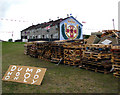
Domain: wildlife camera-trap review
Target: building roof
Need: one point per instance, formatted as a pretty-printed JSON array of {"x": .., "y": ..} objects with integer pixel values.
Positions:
[
  {"x": 51, "y": 23},
  {"x": 76, "y": 20},
  {"x": 45, "y": 24}
]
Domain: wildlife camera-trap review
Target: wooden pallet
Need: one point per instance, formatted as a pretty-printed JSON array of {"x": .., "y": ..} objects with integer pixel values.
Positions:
[
  {"x": 33, "y": 51},
  {"x": 116, "y": 71},
  {"x": 98, "y": 46},
  {"x": 73, "y": 55},
  {"x": 87, "y": 54},
  {"x": 98, "y": 66},
  {"x": 40, "y": 57},
  {"x": 43, "y": 50},
  {"x": 115, "y": 60},
  {"x": 71, "y": 63},
  {"x": 116, "y": 56},
  {"x": 116, "y": 75},
  {"x": 115, "y": 50},
  {"x": 116, "y": 65},
  {"x": 96, "y": 56},
  {"x": 25, "y": 52},
  {"x": 98, "y": 51},
  {"x": 47, "y": 54},
  {"x": 55, "y": 60},
  {"x": 27, "y": 47},
  {"x": 115, "y": 46},
  {"x": 105, "y": 71},
  {"x": 56, "y": 52}
]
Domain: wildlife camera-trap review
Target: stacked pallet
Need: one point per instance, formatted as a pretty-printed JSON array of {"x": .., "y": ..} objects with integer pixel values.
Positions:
[
  {"x": 57, "y": 51},
  {"x": 116, "y": 60},
  {"x": 73, "y": 53},
  {"x": 27, "y": 47},
  {"x": 43, "y": 50},
  {"x": 33, "y": 50},
  {"x": 97, "y": 57}
]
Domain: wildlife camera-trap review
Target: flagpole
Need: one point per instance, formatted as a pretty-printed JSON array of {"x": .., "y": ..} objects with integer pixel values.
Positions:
[
  {"x": 113, "y": 24},
  {"x": 12, "y": 35}
]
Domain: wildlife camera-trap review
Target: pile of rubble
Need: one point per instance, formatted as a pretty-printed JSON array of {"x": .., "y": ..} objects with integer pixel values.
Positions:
[{"x": 105, "y": 37}]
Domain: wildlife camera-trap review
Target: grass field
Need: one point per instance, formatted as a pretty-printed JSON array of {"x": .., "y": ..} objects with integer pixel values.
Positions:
[{"x": 58, "y": 79}]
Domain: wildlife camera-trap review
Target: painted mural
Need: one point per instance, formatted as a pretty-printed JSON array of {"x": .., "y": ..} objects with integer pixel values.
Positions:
[{"x": 70, "y": 29}]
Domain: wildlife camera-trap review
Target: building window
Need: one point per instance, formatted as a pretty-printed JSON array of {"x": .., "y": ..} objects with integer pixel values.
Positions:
[
  {"x": 47, "y": 36},
  {"x": 25, "y": 37},
  {"x": 33, "y": 37},
  {"x": 55, "y": 36},
  {"x": 51, "y": 36},
  {"x": 39, "y": 36},
  {"x": 28, "y": 37},
  {"x": 43, "y": 36},
  {"x": 56, "y": 26}
]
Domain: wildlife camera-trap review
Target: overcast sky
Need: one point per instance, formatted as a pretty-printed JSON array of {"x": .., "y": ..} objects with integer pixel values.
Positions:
[{"x": 16, "y": 15}]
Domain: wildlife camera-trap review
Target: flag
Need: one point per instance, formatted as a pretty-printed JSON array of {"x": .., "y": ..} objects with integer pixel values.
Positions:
[
  {"x": 83, "y": 22},
  {"x": 70, "y": 14},
  {"x": 48, "y": 27}
]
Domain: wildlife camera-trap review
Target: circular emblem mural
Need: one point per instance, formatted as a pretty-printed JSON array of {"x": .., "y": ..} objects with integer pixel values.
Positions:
[{"x": 71, "y": 31}]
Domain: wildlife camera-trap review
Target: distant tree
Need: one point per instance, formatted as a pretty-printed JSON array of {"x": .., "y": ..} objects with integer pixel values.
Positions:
[{"x": 10, "y": 40}]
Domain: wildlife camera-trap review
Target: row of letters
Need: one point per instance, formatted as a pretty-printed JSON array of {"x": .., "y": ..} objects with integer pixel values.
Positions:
[{"x": 27, "y": 74}]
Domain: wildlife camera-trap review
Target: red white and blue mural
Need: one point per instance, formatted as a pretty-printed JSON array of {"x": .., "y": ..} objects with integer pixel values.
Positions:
[{"x": 70, "y": 29}]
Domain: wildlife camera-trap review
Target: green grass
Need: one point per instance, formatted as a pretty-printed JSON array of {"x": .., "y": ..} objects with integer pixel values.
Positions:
[{"x": 58, "y": 79}]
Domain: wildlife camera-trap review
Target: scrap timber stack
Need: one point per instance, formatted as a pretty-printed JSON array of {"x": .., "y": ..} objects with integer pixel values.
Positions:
[
  {"x": 116, "y": 60},
  {"x": 97, "y": 57},
  {"x": 27, "y": 47},
  {"x": 43, "y": 50},
  {"x": 33, "y": 50},
  {"x": 113, "y": 36},
  {"x": 67, "y": 52},
  {"x": 57, "y": 51},
  {"x": 103, "y": 56},
  {"x": 73, "y": 53}
]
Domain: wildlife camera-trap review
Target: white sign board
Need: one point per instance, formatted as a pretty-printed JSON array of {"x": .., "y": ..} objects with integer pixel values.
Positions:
[{"x": 106, "y": 42}]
